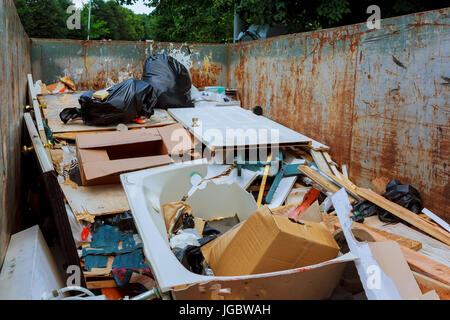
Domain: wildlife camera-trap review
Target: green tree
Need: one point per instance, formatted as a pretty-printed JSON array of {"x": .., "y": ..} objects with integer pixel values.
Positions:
[{"x": 43, "y": 18}]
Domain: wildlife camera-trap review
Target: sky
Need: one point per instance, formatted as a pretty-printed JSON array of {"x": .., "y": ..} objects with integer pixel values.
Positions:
[{"x": 139, "y": 7}]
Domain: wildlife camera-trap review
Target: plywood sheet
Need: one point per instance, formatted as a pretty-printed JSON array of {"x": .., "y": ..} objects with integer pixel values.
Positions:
[
  {"x": 88, "y": 201},
  {"x": 57, "y": 102},
  {"x": 219, "y": 128}
]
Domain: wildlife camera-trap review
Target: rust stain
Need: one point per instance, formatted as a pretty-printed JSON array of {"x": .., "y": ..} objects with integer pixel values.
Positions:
[{"x": 201, "y": 78}]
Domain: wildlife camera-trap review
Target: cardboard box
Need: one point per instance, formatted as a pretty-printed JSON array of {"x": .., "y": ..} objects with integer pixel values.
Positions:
[
  {"x": 102, "y": 157},
  {"x": 268, "y": 243}
]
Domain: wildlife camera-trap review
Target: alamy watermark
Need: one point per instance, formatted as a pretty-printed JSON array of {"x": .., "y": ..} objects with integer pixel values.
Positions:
[
  {"x": 74, "y": 20},
  {"x": 373, "y": 22}
]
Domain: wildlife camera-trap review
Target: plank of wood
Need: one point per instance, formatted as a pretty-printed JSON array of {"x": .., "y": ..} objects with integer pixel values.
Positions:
[
  {"x": 427, "y": 284},
  {"x": 326, "y": 185},
  {"x": 403, "y": 241},
  {"x": 263, "y": 183},
  {"x": 317, "y": 178},
  {"x": 331, "y": 164},
  {"x": 42, "y": 153},
  {"x": 416, "y": 261},
  {"x": 37, "y": 113},
  {"x": 405, "y": 214},
  {"x": 320, "y": 161},
  {"x": 431, "y": 247},
  {"x": 101, "y": 284}
]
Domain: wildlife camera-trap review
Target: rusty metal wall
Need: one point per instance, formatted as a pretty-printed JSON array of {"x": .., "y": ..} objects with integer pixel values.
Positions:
[
  {"x": 378, "y": 98},
  {"x": 99, "y": 64},
  {"x": 14, "y": 66}
]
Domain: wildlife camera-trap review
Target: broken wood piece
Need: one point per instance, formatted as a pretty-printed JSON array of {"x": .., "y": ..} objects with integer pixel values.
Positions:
[
  {"x": 326, "y": 185},
  {"x": 396, "y": 281},
  {"x": 102, "y": 94},
  {"x": 68, "y": 82},
  {"x": 427, "y": 284},
  {"x": 320, "y": 161},
  {"x": 416, "y": 261},
  {"x": 404, "y": 214}
]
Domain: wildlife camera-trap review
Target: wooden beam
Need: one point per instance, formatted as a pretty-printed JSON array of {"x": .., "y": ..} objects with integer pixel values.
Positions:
[{"x": 405, "y": 214}]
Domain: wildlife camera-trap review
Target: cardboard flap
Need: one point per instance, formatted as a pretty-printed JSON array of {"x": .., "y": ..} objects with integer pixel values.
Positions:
[
  {"x": 107, "y": 139},
  {"x": 176, "y": 138},
  {"x": 93, "y": 170}
]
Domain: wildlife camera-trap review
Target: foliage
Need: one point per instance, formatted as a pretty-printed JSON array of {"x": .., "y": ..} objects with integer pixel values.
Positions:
[{"x": 201, "y": 20}]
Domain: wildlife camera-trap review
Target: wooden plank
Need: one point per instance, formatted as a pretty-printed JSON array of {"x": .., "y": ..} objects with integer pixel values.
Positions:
[
  {"x": 101, "y": 284},
  {"x": 404, "y": 214},
  {"x": 264, "y": 179},
  {"x": 42, "y": 154},
  {"x": 58, "y": 101},
  {"x": 431, "y": 247},
  {"x": 317, "y": 178},
  {"x": 320, "y": 161},
  {"x": 427, "y": 284},
  {"x": 379, "y": 235},
  {"x": 403, "y": 241},
  {"x": 416, "y": 261}
]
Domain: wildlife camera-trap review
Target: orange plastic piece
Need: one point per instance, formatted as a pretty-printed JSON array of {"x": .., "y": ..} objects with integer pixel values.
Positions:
[
  {"x": 309, "y": 198},
  {"x": 140, "y": 120}
]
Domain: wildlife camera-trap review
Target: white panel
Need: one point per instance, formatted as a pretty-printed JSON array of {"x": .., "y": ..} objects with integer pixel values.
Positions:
[
  {"x": 29, "y": 269},
  {"x": 214, "y": 123}
]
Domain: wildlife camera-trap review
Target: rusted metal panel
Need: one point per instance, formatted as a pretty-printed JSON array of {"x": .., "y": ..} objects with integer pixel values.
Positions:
[
  {"x": 382, "y": 116},
  {"x": 401, "y": 116},
  {"x": 304, "y": 82},
  {"x": 99, "y": 64},
  {"x": 14, "y": 65}
]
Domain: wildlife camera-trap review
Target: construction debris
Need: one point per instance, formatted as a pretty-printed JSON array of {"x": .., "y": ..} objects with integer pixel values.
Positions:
[{"x": 178, "y": 207}]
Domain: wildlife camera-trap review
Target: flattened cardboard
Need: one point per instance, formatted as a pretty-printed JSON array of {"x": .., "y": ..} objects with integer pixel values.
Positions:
[
  {"x": 104, "y": 156},
  {"x": 268, "y": 243}
]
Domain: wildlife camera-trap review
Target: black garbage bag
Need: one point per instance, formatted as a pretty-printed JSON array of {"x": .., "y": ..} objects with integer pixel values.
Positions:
[
  {"x": 403, "y": 195},
  {"x": 126, "y": 101},
  {"x": 124, "y": 221},
  {"x": 170, "y": 80}
]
